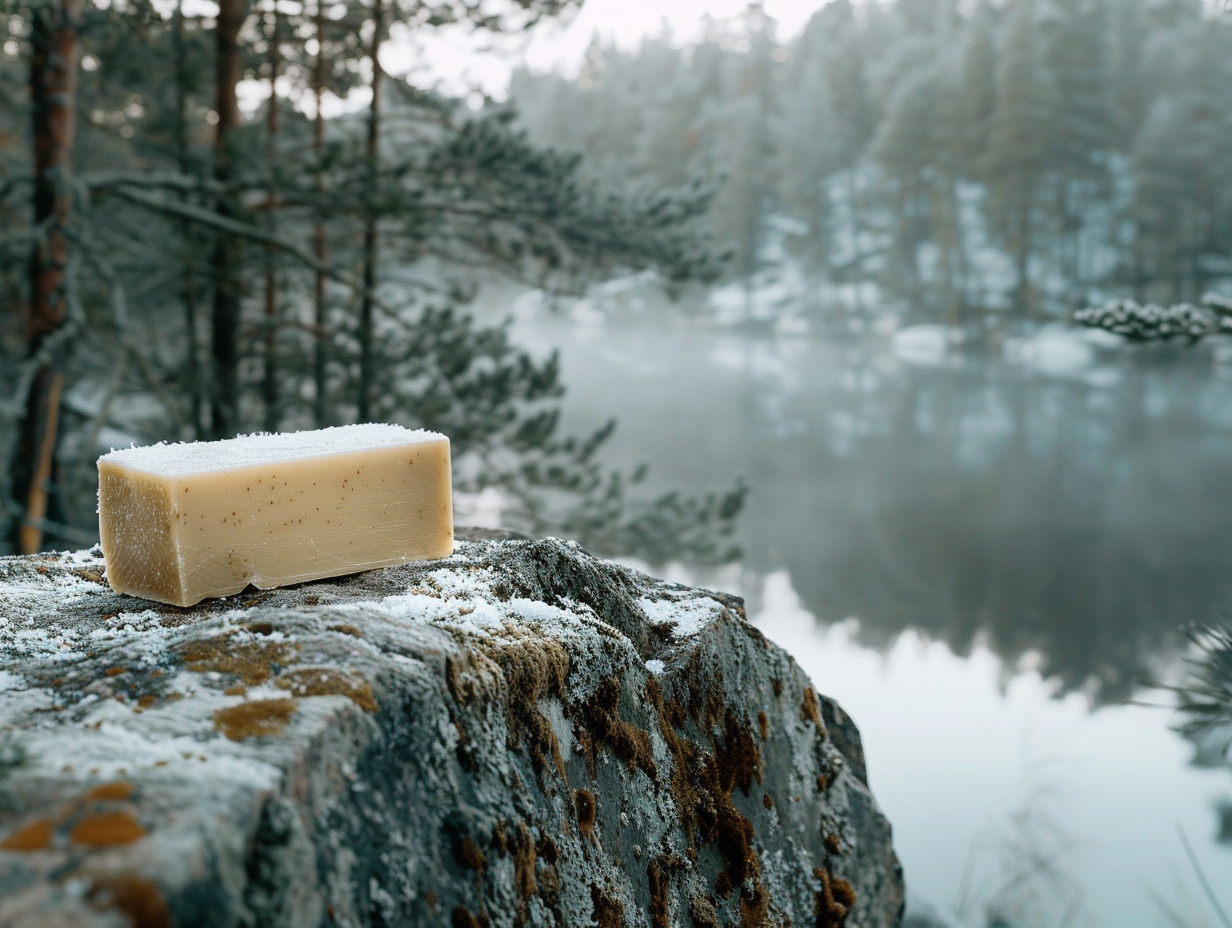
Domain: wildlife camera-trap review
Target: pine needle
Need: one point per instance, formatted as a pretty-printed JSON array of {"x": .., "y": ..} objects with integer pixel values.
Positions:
[{"x": 1206, "y": 886}]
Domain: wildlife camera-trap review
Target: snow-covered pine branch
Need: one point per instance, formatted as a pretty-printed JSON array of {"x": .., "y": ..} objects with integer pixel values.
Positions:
[{"x": 1212, "y": 316}]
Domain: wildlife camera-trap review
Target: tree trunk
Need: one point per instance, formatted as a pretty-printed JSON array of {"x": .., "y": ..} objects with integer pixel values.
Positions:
[
  {"x": 855, "y": 218},
  {"x": 188, "y": 288},
  {"x": 960, "y": 274},
  {"x": 53, "y": 91},
  {"x": 224, "y": 400},
  {"x": 320, "y": 413},
  {"x": 269, "y": 385},
  {"x": 366, "y": 361},
  {"x": 1022, "y": 262}
]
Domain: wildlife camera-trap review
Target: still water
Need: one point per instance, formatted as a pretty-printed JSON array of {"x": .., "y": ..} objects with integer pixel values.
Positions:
[{"x": 981, "y": 552}]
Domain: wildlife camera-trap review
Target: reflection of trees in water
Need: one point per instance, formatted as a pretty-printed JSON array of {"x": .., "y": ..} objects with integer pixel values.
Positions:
[{"x": 1048, "y": 515}]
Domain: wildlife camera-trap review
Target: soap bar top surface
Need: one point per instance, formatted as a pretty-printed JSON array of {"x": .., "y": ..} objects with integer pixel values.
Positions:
[
  {"x": 185, "y": 522},
  {"x": 199, "y": 457}
]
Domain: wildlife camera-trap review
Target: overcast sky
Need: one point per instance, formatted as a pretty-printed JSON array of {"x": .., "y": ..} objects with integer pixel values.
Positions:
[
  {"x": 456, "y": 62},
  {"x": 459, "y": 61}
]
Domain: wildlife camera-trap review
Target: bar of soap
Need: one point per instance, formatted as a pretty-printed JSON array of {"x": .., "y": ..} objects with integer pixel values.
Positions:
[{"x": 181, "y": 523}]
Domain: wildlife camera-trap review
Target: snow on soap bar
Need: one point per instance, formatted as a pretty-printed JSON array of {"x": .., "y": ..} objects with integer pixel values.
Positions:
[{"x": 185, "y": 522}]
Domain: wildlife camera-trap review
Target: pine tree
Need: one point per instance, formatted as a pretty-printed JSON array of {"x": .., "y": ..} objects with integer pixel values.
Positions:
[
  {"x": 54, "y": 52},
  {"x": 1084, "y": 126},
  {"x": 928, "y": 17},
  {"x": 809, "y": 150},
  {"x": 973, "y": 100},
  {"x": 965, "y": 106},
  {"x": 1183, "y": 181},
  {"x": 906, "y": 149},
  {"x": 668, "y": 139},
  {"x": 848, "y": 64},
  {"x": 742, "y": 123},
  {"x": 1182, "y": 197},
  {"x": 274, "y": 28},
  {"x": 227, "y": 283},
  {"x": 1019, "y": 145}
]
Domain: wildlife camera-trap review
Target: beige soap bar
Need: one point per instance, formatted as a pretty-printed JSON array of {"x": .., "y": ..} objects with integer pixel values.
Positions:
[{"x": 181, "y": 523}]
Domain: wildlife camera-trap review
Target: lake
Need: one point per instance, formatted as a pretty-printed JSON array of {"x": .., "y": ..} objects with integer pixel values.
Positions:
[{"x": 983, "y": 552}]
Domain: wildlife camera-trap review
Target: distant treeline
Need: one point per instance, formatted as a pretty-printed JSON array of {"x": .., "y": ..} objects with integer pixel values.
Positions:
[{"x": 1023, "y": 154}]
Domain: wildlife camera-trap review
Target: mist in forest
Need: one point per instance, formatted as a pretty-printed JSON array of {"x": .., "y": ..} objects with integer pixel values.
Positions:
[{"x": 1022, "y": 158}]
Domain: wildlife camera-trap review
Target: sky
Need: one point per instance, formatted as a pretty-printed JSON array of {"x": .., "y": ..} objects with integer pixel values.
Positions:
[{"x": 461, "y": 62}]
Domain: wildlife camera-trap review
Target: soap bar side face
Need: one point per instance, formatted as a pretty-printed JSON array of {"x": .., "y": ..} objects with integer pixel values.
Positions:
[
  {"x": 182, "y": 537},
  {"x": 304, "y": 520},
  {"x": 138, "y": 533}
]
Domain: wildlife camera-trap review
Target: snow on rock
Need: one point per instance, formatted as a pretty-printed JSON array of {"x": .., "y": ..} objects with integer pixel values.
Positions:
[
  {"x": 1055, "y": 350},
  {"x": 925, "y": 345},
  {"x": 1066, "y": 352},
  {"x": 685, "y": 616},
  {"x": 521, "y": 734}
]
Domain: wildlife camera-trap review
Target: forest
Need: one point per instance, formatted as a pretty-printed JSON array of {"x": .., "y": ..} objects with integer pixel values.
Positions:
[
  {"x": 1022, "y": 159},
  {"x": 176, "y": 267}
]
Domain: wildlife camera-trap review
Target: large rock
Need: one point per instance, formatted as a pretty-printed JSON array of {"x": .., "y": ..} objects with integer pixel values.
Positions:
[{"x": 522, "y": 734}]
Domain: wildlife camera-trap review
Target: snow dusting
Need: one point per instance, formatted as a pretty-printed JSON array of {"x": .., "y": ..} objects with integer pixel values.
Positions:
[
  {"x": 169, "y": 460},
  {"x": 686, "y": 617},
  {"x": 926, "y": 345},
  {"x": 93, "y": 688}
]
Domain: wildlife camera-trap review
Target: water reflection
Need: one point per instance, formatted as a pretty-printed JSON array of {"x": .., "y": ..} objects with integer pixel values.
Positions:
[
  {"x": 1008, "y": 802},
  {"x": 1072, "y": 505},
  {"x": 1019, "y": 529}
]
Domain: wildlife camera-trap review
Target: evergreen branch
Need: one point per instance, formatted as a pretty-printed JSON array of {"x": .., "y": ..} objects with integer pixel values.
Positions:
[
  {"x": 213, "y": 220},
  {"x": 90, "y": 444},
  {"x": 119, "y": 302},
  {"x": 1151, "y": 323},
  {"x": 151, "y": 380},
  {"x": 1206, "y": 700},
  {"x": 1205, "y": 883},
  {"x": 210, "y": 219},
  {"x": 95, "y": 181},
  {"x": 11, "y": 183}
]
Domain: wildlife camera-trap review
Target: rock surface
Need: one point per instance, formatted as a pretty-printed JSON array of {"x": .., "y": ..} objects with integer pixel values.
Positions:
[{"x": 521, "y": 734}]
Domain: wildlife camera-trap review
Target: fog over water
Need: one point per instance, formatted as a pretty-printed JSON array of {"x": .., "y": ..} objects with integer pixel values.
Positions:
[{"x": 982, "y": 551}]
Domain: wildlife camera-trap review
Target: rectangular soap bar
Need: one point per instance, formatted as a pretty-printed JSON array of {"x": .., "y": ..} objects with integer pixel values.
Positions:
[{"x": 184, "y": 522}]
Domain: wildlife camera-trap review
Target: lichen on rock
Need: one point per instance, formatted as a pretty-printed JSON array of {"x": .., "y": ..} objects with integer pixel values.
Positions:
[{"x": 522, "y": 734}]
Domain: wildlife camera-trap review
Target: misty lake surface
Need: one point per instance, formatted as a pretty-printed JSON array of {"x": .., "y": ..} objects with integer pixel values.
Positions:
[{"x": 981, "y": 552}]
